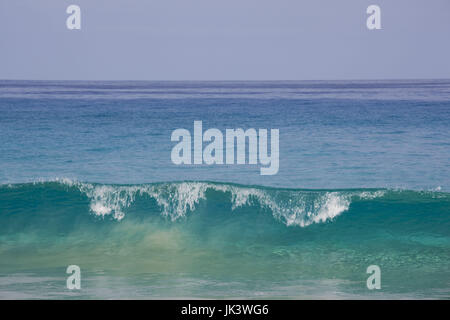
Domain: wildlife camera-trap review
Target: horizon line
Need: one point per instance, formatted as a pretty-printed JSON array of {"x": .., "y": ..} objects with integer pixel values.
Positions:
[{"x": 226, "y": 80}]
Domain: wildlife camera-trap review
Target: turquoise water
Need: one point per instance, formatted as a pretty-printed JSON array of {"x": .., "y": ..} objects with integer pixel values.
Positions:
[{"x": 86, "y": 179}]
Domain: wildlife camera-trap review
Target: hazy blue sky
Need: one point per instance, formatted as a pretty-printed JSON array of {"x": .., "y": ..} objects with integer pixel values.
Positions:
[{"x": 224, "y": 40}]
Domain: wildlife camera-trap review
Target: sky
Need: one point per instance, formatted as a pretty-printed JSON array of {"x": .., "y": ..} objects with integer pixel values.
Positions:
[{"x": 224, "y": 40}]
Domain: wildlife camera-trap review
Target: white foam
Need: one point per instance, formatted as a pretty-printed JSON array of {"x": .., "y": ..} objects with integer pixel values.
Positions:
[{"x": 293, "y": 207}]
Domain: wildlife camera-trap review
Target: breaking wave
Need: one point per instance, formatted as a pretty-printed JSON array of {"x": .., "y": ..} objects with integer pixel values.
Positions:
[
  {"x": 63, "y": 201},
  {"x": 294, "y": 207}
]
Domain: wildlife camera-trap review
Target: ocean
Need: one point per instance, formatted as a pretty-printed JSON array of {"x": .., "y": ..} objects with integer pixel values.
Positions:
[{"x": 86, "y": 179}]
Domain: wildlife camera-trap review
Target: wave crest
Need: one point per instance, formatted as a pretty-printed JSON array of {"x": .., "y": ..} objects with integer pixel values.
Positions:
[{"x": 176, "y": 199}]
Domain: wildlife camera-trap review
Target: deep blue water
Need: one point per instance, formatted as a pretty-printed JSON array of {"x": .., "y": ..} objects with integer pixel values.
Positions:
[
  {"x": 332, "y": 134},
  {"x": 86, "y": 178}
]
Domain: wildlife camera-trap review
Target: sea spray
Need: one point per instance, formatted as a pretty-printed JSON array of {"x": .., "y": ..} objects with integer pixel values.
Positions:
[{"x": 293, "y": 207}]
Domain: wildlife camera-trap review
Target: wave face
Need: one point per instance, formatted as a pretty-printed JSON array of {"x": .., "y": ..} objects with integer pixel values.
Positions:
[
  {"x": 175, "y": 200},
  {"x": 271, "y": 240}
]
